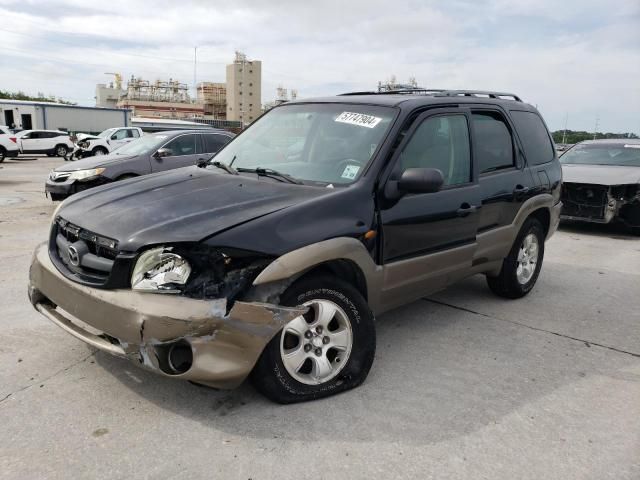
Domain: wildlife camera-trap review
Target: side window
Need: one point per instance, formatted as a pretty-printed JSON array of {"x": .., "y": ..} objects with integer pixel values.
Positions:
[
  {"x": 441, "y": 142},
  {"x": 213, "y": 143},
  {"x": 494, "y": 145},
  {"x": 133, "y": 133},
  {"x": 183, "y": 145},
  {"x": 119, "y": 135},
  {"x": 534, "y": 137}
]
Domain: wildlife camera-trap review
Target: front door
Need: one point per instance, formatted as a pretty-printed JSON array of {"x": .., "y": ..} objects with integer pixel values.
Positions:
[
  {"x": 31, "y": 142},
  {"x": 429, "y": 239},
  {"x": 183, "y": 153}
]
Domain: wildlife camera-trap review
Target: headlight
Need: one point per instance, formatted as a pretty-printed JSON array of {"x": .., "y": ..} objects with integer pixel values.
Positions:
[
  {"x": 86, "y": 174},
  {"x": 161, "y": 271}
]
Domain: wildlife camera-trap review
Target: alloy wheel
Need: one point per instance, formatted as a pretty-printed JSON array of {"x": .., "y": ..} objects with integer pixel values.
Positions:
[
  {"x": 527, "y": 258},
  {"x": 315, "y": 347}
]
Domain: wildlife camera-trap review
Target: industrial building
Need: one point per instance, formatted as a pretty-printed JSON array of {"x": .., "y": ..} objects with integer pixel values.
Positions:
[
  {"x": 244, "y": 89},
  {"x": 28, "y": 115},
  {"x": 213, "y": 98}
]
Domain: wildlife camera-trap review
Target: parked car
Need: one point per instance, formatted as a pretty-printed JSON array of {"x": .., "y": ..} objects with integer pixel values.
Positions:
[
  {"x": 105, "y": 142},
  {"x": 271, "y": 260},
  {"x": 8, "y": 144},
  {"x": 151, "y": 153},
  {"x": 51, "y": 142},
  {"x": 602, "y": 182}
]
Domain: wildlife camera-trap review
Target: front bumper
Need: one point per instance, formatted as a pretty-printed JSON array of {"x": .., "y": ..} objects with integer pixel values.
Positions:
[
  {"x": 60, "y": 189},
  {"x": 144, "y": 327}
]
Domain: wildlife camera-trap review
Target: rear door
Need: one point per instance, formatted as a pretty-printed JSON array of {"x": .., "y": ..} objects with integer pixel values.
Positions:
[
  {"x": 505, "y": 183},
  {"x": 429, "y": 239},
  {"x": 184, "y": 150},
  {"x": 212, "y": 143}
]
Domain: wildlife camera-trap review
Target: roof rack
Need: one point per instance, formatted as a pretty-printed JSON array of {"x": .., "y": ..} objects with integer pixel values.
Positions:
[{"x": 437, "y": 92}]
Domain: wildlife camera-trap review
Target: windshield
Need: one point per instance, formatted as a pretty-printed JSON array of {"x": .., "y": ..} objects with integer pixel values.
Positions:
[
  {"x": 146, "y": 144},
  {"x": 327, "y": 143},
  {"x": 603, "y": 154},
  {"x": 107, "y": 132}
]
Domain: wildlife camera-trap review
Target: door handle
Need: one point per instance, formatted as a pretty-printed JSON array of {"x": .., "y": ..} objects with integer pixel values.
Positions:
[
  {"x": 466, "y": 209},
  {"x": 520, "y": 190}
]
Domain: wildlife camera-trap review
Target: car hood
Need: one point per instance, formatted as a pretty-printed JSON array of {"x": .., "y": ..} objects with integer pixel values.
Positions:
[
  {"x": 85, "y": 136},
  {"x": 94, "y": 162},
  {"x": 600, "y": 174},
  {"x": 183, "y": 205}
]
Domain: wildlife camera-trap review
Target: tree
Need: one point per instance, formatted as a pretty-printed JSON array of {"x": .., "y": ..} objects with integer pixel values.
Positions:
[
  {"x": 578, "y": 136},
  {"x": 40, "y": 97}
]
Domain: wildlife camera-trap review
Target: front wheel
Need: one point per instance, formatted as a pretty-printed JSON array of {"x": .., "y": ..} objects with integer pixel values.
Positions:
[
  {"x": 520, "y": 269},
  {"x": 328, "y": 350},
  {"x": 99, "y": 151},
  {"x": 3, "y": 155},
  {"x": 61, "y": 151}
]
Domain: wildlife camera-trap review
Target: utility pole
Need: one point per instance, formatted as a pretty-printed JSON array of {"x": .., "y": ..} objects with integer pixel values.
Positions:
[
  {"x": 564, "y": 134},
  {"x": 195, "y": 70},
  {"x": 595, "y": 130}
]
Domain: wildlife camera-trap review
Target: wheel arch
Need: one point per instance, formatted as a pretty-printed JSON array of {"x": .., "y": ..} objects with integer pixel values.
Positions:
[
  {"x": 543, "y": 215},
  {"x": 344, "y": 257}
]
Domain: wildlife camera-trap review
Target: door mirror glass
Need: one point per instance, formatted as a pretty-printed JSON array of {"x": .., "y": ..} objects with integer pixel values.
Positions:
[
  {"x": 421, "y": 180},
  {"x": 164, "y": 152}
]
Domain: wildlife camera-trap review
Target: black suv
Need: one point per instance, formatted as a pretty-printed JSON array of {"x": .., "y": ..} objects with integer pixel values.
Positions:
[{"x": 272, "y": 259}]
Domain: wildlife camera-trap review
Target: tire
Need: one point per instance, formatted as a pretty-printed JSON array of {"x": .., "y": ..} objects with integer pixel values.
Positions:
[
  {"x": 61, "y": 151},
  {"x": 99, "y": 151},
  {"x": 351, "y": 328},
  {"x": 3, "y": 154},
  {"x": 513, "y": 282}
]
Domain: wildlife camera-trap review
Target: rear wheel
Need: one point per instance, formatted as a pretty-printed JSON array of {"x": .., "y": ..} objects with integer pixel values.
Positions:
[
  {"x": 328, "y": 350},
  {"x": 3, "y": 154},
  {"x": 522, "y": 266}
]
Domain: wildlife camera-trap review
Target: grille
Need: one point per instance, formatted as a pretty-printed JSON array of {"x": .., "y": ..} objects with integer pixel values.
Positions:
[
  {"x": 586, "y": 201},
  {"x": 81, "y": 253}
]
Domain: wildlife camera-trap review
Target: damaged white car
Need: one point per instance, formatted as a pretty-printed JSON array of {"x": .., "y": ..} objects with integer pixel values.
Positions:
[{"x": 601, "y": 182}]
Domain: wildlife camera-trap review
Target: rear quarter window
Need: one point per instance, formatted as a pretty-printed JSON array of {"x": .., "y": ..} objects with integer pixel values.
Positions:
[{"x": 534, "y": 136}]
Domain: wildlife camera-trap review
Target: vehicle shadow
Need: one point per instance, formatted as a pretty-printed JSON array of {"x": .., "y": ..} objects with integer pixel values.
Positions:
[
  {"x": 439, "y": 373},
  {"x": 615, "y": 230}
]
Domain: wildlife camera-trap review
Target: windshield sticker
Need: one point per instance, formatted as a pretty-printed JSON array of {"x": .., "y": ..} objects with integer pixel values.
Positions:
[
  {"x": 350, "y": 172},
  {"x": 359, "y": 119},
  {"x": 632, "y": 146}
]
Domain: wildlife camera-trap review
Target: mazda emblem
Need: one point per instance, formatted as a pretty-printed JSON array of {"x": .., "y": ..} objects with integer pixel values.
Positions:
[{"x": 74, "y": 256}]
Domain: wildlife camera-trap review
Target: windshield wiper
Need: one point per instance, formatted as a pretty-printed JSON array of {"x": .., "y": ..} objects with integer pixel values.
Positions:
[
  {"x": 221, "y": 165},
  {"x": 269, "y": 172}
]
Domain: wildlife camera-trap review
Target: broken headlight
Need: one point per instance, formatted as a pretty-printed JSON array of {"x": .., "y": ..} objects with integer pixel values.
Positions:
[
  {"x": 160, "y": 270},
  {"x": 86, "y": 174}
]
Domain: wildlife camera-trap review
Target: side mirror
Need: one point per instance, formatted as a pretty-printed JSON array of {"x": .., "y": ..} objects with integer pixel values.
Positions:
[
  {"x": 163, "y": 152},
  {"x": 420, "y": 180}
]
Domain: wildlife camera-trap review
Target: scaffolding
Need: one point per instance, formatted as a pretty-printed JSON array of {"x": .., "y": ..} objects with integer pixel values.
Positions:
[
  {"x": 158, "y": 91},
  {"x": 213, "y": 96}
]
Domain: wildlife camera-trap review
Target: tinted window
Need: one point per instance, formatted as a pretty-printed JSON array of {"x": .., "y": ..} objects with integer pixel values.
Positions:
[
  {"x": 213, "y": 143},
  {"x": 534, "y": 137},
  {"x": 183, "y": 145},
  {"x": 441, "y": 142},
  {"x": 494, "y": 145}
]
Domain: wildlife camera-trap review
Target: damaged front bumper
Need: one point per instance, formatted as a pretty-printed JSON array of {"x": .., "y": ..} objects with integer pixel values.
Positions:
[{"x": 174, "y": 336}]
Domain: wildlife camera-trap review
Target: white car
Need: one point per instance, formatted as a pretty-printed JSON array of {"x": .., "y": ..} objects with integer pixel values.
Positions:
[
  {"x": 8, "y": 144},
  {"x": 105, "y": 142},
  {"x": 51, "y": 142}
]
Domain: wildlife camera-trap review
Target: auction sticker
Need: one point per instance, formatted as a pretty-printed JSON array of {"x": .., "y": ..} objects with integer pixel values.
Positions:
[
  {"x": 350, "y": 172},
  {"x": 359, "y": 119}
]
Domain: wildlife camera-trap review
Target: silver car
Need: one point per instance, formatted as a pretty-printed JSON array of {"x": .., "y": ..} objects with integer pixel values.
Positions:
[
  {"x": 149, "y": 154},
  {"x": 601, "y": 182}
]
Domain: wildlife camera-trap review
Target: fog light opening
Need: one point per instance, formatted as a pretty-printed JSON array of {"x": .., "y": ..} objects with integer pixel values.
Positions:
[{"x": 180, "y": 357}]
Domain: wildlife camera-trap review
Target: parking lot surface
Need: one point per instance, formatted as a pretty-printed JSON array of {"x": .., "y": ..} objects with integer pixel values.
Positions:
[{"x": 464, "y": 385}]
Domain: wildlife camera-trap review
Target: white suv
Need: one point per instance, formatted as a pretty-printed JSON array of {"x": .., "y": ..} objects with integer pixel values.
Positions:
[
  {"x": 8, "y": 144},
  {"x": 51, "y": 142},
  {"x": 105, "y": 142}
]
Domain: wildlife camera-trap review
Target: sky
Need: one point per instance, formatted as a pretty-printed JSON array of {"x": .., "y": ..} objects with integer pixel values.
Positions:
[{"x": 578, "y": 61}]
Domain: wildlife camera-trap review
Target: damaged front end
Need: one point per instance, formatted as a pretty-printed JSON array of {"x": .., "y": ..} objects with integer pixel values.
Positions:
[
  {"x": 601, "y": 203},
  {"x": 197, "y": 326}
]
